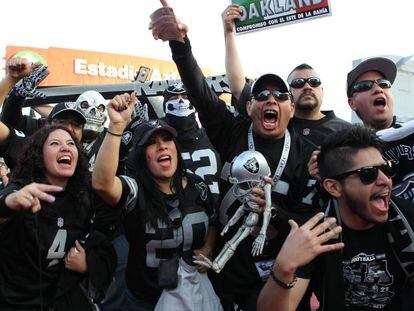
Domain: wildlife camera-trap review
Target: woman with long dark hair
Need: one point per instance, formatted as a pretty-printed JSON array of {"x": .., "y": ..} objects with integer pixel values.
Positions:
[
  {"x": 169, "y": 214},
  {"x": 46, "y": 211}
]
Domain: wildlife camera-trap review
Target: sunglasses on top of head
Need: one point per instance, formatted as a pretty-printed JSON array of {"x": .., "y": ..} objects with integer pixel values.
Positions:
[
  {"x": 300, "y": 82},
  {"x": 165, "y": 138},
  {"x": 265, "y": 94},
  {"x": 366, "y": 85},
  {"x": 369, "y": 174}
]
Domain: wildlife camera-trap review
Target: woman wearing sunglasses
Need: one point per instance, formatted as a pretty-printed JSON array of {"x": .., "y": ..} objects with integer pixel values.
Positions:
[
  {"x": 46, "y": 212},
  {"x": 168, "y": 214}
]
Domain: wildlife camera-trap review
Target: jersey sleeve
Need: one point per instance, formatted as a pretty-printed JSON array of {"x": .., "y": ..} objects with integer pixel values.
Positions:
[{"x": 129, "y": 193}]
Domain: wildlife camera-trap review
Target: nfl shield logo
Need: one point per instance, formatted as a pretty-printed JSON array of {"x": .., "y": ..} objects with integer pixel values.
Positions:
[{"x": 60, "y": 222}]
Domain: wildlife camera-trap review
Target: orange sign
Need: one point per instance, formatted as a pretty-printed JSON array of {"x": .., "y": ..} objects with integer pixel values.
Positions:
[{"x": 77, "y": 67}]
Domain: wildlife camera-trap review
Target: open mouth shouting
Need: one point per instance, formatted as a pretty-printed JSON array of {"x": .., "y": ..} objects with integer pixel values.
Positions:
[
  {"x": 380, "y": 103},
  {"x": 270, "y": 118},
  {"x": 65, "y": 160},
  {"x": 164, "y": 161},
  {"x": 380, "y": 201}
]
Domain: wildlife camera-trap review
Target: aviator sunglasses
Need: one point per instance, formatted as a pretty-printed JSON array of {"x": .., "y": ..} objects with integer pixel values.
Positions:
[
  {"x": 265, "y": 94},
  {"x": 369, "y": 174},
  {"x": 300, "y": 82},
  {"x": 366, "y": 85}
]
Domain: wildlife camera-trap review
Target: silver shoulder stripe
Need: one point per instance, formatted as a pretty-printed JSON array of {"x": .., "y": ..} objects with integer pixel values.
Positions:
[{"x": 133, "y": 193}]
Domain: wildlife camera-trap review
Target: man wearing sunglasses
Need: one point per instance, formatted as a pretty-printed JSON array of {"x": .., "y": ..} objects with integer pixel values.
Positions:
[
  {"x": 369, "y": 95},
  {"x": 369, "y": 92},
  {"x": 309, "y": 120},
  {"x": 374, "y": 269},
  {"x": 270, "y": 109}
]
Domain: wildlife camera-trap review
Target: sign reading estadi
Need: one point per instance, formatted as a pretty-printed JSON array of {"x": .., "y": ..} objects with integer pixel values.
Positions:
[
  {"x": 78, "y": 67},
  {"x": 261, "y": 14}
]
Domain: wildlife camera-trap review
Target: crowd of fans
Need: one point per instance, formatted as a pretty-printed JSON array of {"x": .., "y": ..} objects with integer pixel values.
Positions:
[{"x": 259, "y": 207}]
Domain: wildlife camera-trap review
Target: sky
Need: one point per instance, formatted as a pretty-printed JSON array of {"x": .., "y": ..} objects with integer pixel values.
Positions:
[{"x": 356, "y": 29}]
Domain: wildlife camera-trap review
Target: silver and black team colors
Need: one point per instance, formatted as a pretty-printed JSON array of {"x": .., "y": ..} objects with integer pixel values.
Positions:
[
  {"x": 399, "y": 147},
  {"x": 200, "y": 158},
  {"x": 33, "y": 248},
  {"x": 229, "y": 136},
  {"x": 185, "y": 231}
]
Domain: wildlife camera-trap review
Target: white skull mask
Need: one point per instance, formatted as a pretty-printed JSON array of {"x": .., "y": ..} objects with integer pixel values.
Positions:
[
  {"x": 93, "y": 106},
  {"x": 179, "y": 107}
]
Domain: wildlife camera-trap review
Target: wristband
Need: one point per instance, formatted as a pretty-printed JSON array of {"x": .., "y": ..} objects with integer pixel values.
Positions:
[
  {"x": 281, "y": 283},
  {"x": 114, "y": 134}
]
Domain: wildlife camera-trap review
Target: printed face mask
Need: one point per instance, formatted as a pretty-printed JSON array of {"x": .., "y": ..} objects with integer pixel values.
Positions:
[{"x": 179, "y": 107}]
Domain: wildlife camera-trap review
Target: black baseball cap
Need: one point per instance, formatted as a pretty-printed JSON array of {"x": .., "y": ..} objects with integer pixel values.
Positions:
[
  {"x": 175, "y": 89},
  {"x": 145, "y": 130},
  {"x": 269, "y": 79},
  {"x": 67, "y": 108},
  {"x": 383, "y": 65}
]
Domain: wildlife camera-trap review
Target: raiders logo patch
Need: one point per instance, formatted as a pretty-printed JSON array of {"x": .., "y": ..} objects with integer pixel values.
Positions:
[
  {"x": 70, "y": 105},
  {"x": 126, "y": 137},
  {"x": 202, "y": 189},
  {"x": 252, "y": 165},
  {"x": 154, "y": 123},
  {"x": 306, "y": 132}
]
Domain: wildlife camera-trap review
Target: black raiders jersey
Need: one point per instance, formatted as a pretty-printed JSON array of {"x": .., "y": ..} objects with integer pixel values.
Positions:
[
  {"x": 294, "y": 192},
  {"x": 313, "y": 132},
  {"x": 399, "y": 147},
  {"x": 200, "y": 158},
  {"x": 149, "y": 245},
  {"x": 26, "y": 238}
]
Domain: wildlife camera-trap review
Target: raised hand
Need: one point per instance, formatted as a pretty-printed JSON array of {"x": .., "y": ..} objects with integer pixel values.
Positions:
[
  {"x": 140, "y": 112},
  {"x": 26, "y": 87},
  {"x": 29, "y": 197},
  {"x": 120, "y": 109},
  {"x": 305, "y": 243},
  {"x": 228, "y": 16},
  {"x": 17, "y": 68},
  {"x": 165, "y": 25}
]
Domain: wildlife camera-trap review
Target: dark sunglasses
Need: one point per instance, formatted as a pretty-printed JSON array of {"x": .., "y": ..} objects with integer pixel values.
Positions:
[
  {"x": 265, "y": 94},
  {"x": 369, "y": 174},
  {"x": 300, "y": 82},
  {"x": 366, "y": 85}
]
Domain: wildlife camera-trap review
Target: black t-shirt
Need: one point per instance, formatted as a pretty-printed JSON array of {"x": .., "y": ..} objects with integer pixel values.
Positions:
[
  {"x": 371, "y": 273},
  {"x": 149, "y": 245},
  {"x": 313, "y": 132},
  {"x": 372, "y": 276}
]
